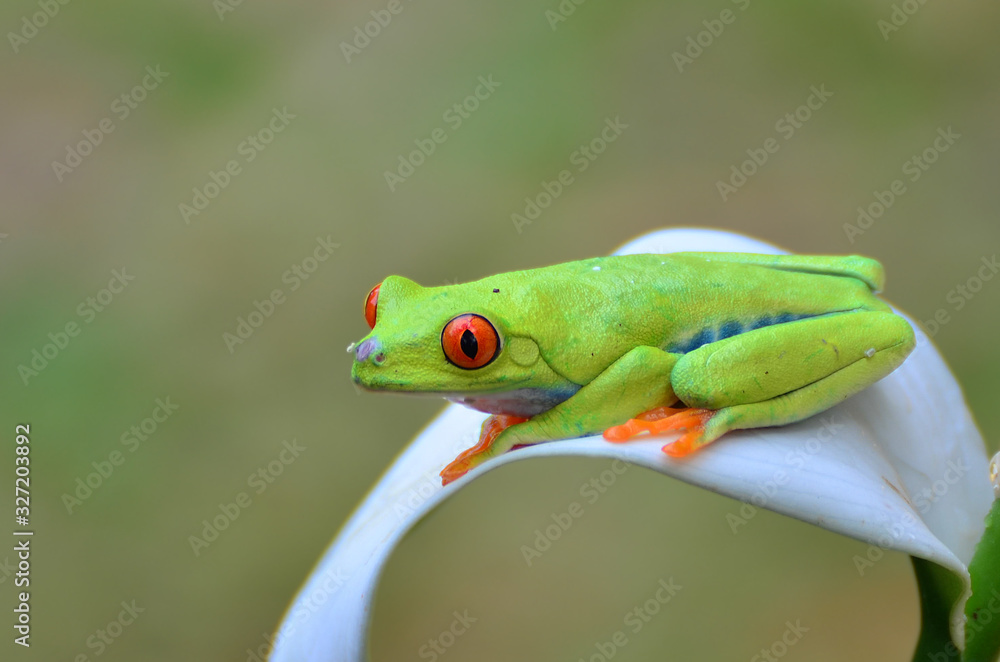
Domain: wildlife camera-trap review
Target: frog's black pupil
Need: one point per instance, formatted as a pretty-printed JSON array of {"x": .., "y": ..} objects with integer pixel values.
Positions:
[{"x": 469, "y": 344}]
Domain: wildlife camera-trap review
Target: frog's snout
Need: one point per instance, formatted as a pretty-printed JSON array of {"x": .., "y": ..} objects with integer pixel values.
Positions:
[
  {"x": 370, "y": 348},
  {"x": 369, "y": 356}
]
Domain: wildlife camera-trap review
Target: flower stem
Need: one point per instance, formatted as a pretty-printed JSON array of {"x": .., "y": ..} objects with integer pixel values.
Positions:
[{"x": 982, "y": 611}]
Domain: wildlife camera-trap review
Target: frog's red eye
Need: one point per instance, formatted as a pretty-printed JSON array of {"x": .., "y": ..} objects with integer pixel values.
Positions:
[
  {"x": 470, "y": 341},
  {"x": 371, "y": 306}
]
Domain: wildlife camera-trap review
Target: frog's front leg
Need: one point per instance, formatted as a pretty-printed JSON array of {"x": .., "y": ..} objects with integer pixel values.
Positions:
[
  {"x": 778, "y": 375},
  {"x": 636, "y": 382}
]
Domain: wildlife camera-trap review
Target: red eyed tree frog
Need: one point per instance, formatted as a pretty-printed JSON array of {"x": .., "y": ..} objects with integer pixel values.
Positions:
[{"x": 700, "y": 342}]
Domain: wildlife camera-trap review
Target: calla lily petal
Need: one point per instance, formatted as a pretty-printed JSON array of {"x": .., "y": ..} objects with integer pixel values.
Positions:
[{"x": 863, "y": 469}]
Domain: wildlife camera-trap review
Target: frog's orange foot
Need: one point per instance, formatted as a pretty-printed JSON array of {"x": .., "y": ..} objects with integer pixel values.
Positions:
[
  {"x": 472, "y": 457},
  {"x": 664, "y": 419}
]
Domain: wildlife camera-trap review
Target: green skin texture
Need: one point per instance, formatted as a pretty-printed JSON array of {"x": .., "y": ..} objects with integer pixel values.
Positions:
[{"x": 601, "y": 340}]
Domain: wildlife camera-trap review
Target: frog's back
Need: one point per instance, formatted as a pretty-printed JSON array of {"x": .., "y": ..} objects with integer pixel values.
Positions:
[
  {"x": 707, "y": 286},
  {"x": 865, "y": 269},
  {"x": 587, "y": 313}
]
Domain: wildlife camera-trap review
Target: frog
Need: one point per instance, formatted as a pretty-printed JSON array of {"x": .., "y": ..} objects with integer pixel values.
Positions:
[{"x": 695, "y": 344}]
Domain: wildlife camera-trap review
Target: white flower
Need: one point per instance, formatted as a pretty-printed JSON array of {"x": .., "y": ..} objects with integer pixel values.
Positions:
[{"x": 862, "y": 469}]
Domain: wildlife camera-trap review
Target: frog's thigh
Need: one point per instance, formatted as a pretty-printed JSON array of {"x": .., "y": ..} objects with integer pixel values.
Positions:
[
  {"x": 636, "y": 382},
  {"x": 787, "y": 372}
]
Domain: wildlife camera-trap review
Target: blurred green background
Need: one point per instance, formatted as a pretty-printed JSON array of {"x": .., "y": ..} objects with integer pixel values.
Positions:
[{"x": 224, "y": 74}]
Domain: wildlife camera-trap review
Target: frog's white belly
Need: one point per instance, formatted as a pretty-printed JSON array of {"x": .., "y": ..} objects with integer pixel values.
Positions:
[{"x": 523, "y": 402}]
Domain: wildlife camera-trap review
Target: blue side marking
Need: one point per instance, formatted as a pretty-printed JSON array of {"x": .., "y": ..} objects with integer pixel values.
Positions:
[
  {"x": 729, "y": 329},
  {"x": 703, "y": 337}
]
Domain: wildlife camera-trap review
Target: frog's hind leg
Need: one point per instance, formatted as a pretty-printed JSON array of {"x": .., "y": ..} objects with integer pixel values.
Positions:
[{"x": 782, "y": 374}]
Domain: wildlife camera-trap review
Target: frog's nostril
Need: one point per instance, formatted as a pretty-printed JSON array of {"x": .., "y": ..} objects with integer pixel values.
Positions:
[{"x": 365, "y": 349}]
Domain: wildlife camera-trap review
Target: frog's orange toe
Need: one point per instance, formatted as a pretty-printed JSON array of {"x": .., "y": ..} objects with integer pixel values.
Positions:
[
  {"x": 471, "y": 457},
  {"x": 665, "y": 419},
  {"x": 455, "y": 470},
  {"x": 466, "y": 460},
  {"x": 644, "y": 422},
  {"x": 683, "y": 446},
  {"x": 621, "y": 433}
]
